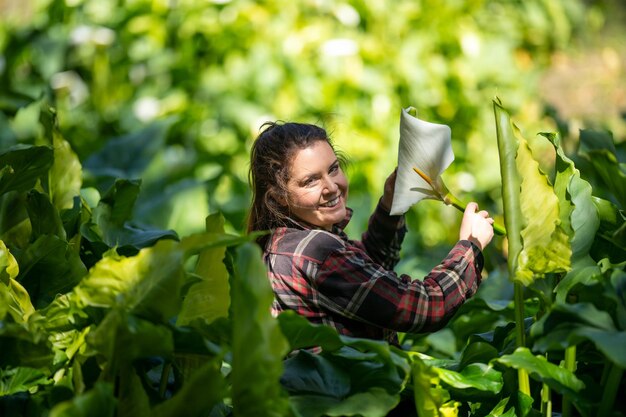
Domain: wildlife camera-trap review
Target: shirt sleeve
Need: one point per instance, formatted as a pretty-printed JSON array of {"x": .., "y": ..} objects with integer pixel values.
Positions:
[
  {"x": 353, "y": 285},
  {"x": 383, "y": 238}
]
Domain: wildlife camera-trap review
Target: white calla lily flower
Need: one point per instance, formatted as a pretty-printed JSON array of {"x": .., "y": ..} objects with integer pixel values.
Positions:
[
  {"x": 424, "y": 153},
  {"x": 426, "y": 149}
]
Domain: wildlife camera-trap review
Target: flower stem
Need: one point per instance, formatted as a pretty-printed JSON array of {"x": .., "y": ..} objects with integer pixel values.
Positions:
[{"x": 451, "y": 200}]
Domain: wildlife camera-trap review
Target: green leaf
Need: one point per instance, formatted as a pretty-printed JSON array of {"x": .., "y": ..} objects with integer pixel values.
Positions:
[
  {"x": 508, "y": 144},
  {"x": 97, "y": 402},
  {"x": 65, "y": 177},
  {"x": 22, "y": 165},
  {"x": 110, "y": 221},
  {"x": 301, "y": 333},
  {"x": 121, "y": 338},
  {"x": 569, "y": 324},
  {"x": 199, "y": 393},
  {"x": 431, "y": 400},
  {"x": 344, "y": 382},
  {"x": 546, "y": 245},
  {"x": 44, "y": 217},
  {"x": 49, "y": 266},
  {"x": 24, "y": 347},
  {"x": 598, "y": 148},
  {"x": 579, "y": 216},
  {"x": 15, "y": 297},
  {"x": 258, "y": 346},
  {"x": 21, "y": 379},
  {"x": 147, "y": 284},
  {"x": 209, "y": 298},
  {"x": 128, "y": 156},
  {"x": 475, "y": 381},
  {"x": 557, "y": 378}
]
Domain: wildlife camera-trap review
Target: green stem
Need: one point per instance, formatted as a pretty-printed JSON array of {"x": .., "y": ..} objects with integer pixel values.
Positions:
[
  {"x": 451, "y": 200},
  {"x": 546, "y": 403},
  {"x": 610, "y": 390},
  {"x": 518, "y": 294},
  {"x": 570, "y": 365}
]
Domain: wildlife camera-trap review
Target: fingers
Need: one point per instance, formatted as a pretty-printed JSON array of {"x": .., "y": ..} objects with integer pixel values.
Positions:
[{"x": 471, "y": 207}]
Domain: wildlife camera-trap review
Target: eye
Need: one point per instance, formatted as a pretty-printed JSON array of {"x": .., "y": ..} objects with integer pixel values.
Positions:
[
  {"x": 309, "y": 182},
  {"x": 334, "y": 168}
]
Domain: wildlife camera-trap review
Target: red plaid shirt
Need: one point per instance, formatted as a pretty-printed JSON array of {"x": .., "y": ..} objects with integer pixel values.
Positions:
[{"x": 350, "y": 285}]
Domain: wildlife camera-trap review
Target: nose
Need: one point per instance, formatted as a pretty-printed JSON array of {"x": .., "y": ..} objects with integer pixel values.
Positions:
[{"x": 330, "y": 186}]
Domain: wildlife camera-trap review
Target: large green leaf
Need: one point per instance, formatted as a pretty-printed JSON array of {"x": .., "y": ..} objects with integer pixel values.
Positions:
[
  {"x": 22, "y": 165},
  {"x": 258, "y": 346},
  {"x": 546, "y": 245},
  {"x": 301, "y": 333},
  {"x": 148, "y": 284},
  {"x": 569, "y": 324},
  {"x": 475, "y": 379},
  {"x": 346, "y": 382},
  {"x": 557, "y": 378},
  {"x": 209, "y": 298}
]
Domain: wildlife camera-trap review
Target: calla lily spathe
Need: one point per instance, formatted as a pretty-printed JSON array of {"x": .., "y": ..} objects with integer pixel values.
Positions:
[{"x": 425, "y": 148}]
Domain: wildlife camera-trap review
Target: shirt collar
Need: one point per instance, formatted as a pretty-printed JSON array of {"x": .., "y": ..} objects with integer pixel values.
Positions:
[{"x": 337, "y": 227}]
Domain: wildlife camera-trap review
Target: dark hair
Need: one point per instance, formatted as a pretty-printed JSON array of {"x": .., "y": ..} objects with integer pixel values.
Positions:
[{"x": 270, "y": 159}]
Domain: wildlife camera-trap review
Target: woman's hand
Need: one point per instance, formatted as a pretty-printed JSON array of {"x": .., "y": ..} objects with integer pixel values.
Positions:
[
  {"x": 390, "y": 186},
  {"x": 476, "y": 226}
]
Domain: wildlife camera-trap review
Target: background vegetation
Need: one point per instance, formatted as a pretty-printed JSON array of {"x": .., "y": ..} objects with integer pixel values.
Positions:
[{"x": 151, "y": 108}]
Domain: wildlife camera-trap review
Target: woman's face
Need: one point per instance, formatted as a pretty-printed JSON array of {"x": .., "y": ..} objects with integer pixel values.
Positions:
[{"x": 317, "y": 188}]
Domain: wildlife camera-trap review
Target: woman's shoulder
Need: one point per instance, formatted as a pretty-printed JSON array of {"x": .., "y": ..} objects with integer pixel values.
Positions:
[{"x": 310, "y": 243}]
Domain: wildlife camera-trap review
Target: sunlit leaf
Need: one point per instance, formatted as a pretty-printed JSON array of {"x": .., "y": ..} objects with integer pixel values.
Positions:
[
  {"x": 17, "y": 301},
  {"x": 148, "y": 283},
  {"x": 209, "y": 298},
  {"x": 431, "y": 400},
  {"x": 557, "y": 378},
  {"x": 21, "y": 379},
  {"x": 546, "y": 246},
  {"x": 473, "y": 378}
]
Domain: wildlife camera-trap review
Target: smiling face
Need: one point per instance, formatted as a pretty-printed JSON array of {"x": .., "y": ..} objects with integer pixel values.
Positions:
[{"x": 317, "y": 188}]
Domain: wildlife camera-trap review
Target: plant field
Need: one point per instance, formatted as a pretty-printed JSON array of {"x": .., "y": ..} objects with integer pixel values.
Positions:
[{"x": 127, "y": 287}]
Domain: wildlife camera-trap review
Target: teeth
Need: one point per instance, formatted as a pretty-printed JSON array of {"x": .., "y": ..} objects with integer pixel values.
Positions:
[{"x": 331, "y": 203}]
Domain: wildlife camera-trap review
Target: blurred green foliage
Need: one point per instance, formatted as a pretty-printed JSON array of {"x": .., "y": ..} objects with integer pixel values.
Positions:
[{"x": 182, "y": 86}]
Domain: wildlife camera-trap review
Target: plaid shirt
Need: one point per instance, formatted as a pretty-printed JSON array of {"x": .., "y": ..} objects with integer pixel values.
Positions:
[{"x": 350, "y": 285}]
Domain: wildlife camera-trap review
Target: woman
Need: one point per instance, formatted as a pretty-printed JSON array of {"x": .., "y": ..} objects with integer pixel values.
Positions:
[{"x": 299, "y": 194}]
